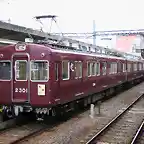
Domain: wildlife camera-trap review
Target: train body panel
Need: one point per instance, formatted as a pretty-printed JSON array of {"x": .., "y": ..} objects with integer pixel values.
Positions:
[{"x": 38, "y": 76}]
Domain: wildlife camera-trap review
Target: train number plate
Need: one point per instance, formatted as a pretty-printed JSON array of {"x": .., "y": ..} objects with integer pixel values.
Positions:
[{"x": 20, "y": 90}]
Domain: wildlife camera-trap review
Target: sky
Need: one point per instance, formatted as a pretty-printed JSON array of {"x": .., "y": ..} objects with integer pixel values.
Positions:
[{"x": 75, "y": 15}]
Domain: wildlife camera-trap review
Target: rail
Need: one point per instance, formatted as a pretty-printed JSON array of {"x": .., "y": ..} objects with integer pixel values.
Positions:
[
  {"x": 35, "y": 133},
  {"x": 112, "y": 121},
  {"x": 45, "y": 127},
  {"x": 137, "y": 133}
]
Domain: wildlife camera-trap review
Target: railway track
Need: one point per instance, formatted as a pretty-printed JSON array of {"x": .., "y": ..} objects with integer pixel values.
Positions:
[
  {"x": 139, "y": 136},
  {"x": 19, "y": 133},
  {"x": 115, "y": 130}
]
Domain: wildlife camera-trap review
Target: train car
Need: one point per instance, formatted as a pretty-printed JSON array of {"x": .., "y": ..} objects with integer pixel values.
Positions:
[
  {"x": 134, "y": 70},
  {"x": 48, "y": 81}
]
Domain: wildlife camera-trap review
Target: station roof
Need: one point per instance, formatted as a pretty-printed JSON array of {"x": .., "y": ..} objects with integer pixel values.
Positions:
[{"x": 19, "y": 33}]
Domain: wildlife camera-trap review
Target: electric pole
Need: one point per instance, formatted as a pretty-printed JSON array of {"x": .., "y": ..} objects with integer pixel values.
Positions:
[{"x": 94, "y": 33}]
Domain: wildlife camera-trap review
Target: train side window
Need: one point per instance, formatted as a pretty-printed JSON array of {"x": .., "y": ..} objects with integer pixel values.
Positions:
[
  {"x": 21, "y": 70},
  {"x": 119, "y": 69},
  {"x": 78, "y": 66},
  {"x": 124, "y": 67},
  {"x": 5, "y": 70},
  {"x": 56, "y": 71},
  {"x": 111, "y": 68},
  {"x": 115, "y": 68},
  {"x": 65, "y": 70},
  {"x": 89, "y": 69},
  {"x": 132, "y": 67},
  {"x": 97, "y": 68},
  {"x": 129, "y": 68},
  {"x": 135, "y": 67},
  {"x": 39, "y": 71},
  {"x": 143, "y": 66},
  {"x": 140, "y": 66},
  {"x": 104, "y": 67},
  {"x": 93, "y": 68}
]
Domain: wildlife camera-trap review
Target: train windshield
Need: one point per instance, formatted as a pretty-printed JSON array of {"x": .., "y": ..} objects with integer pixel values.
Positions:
[
  {"x": 39, "y": 71},
  {"x": 5, "y": 70}
]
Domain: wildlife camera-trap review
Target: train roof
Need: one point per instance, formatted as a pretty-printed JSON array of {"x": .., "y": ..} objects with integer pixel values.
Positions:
[
  {"x": 93, "y": 54},
  {"x": 71, "y": 50},
  {"x": 95, "y": 50},
  {"x": 86, "y": 54}
]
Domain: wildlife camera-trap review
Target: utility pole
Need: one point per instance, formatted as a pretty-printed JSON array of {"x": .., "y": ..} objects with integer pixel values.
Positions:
[{"x": 94, "y": 33}]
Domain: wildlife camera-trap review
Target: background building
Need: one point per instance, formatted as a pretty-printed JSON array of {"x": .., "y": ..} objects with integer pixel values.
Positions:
[{"x": 124, "y": 43}]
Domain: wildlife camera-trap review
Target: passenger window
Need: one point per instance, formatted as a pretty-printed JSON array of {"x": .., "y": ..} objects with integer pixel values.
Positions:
[
  {"x": 5, "y": 70},
  {"x": 104, "y": 66},
  {"x": 65, "y": 70},
  {"x": 129, "y": 67},
  {"x": 93, "y": 66},
  {"x": 135, "y": 67},
  {"x": 88, "y": 68},
  {"x": 39, "y": 71},
  {"x": 20, "y": 70},
  {"x": 113, "y": 68},
  {"x": 132, "y": 67},
  {"x": 78, "y": 68},
  {"x": 97, "y": 68},
  {"x": 140, "y": 66},
  {"x": 119, "y": 67},
  {"x": 124, "y": 67},
  {"x": 56, "y": 71}
]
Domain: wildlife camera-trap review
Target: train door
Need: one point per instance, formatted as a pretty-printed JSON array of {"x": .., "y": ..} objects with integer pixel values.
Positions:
[
  {"x": 125, "y": 69},
  {"x": 56, "y": 82},
  {"x": 20, "y": 73}
]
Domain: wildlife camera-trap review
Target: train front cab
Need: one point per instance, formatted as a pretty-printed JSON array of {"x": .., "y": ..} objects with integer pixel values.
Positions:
[
  {"x": 30, "y": 84},
  {"x": 28, "y": 87}
]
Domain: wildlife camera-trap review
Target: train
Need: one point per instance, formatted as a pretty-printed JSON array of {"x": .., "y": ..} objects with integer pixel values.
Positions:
[{"x": 49, "y": 79}]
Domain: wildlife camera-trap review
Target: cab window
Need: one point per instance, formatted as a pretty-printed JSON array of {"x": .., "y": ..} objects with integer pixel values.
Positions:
[
  {"x": 39, "y": 71},
  {"x": 5, "y": 70}
]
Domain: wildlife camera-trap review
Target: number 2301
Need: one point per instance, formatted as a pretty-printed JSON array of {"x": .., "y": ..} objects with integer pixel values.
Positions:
[{"x": 20, "y": 90}]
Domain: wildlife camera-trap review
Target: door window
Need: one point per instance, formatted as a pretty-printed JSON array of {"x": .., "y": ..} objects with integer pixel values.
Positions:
[{"x": 21, "y": 70}]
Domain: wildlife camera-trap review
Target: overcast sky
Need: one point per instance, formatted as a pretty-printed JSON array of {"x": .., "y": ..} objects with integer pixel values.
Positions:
[{"x": 76, "y": 15}]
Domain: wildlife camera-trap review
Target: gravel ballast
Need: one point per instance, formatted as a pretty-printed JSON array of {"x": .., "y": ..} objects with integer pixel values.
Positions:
[{"x": 76, "y": 130}]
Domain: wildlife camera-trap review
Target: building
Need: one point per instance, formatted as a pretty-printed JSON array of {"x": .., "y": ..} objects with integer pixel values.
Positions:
[{"x": 125, "y": 43}]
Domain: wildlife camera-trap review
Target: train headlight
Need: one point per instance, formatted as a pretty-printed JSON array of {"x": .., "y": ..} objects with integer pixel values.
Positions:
[{"x": 1, "y": 55}]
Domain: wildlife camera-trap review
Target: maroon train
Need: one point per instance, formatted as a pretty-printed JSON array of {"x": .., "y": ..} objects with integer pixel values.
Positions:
[{"x": 45, "y": 80}]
